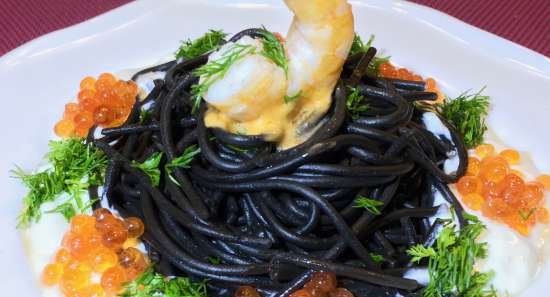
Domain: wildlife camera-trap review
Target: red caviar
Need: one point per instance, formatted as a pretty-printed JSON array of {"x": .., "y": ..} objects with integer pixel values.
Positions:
[
  {"x": 105, "y": 102},
  {"x": 52, "y": 274},
  {"x": 92, "y": 249},
  {"x": 246, "y": 291},
  {"x": 321, "y": 284},
  {"x": 113, "y": 279},
  {"x": 388, "y": 70},
  {"x": 500, "y": 192},
  {"x": 544, "y": 180}
]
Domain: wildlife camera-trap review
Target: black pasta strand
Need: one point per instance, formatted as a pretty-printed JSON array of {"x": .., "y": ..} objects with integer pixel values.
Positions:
[{"x": 273, "y": 217}]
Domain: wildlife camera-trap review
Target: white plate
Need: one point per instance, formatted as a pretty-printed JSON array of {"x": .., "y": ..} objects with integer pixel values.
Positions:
[{"x": 41, "y": 76}]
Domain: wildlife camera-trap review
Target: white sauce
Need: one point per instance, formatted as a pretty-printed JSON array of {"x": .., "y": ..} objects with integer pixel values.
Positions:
[
  {"x": 518, "y": 258},
  {"x": 512, "y": 257},
  {"x": 515, "y": 259},
  {"x": 42, "y": 240},
  {"x": 434, "y": 124},
  {"x": 146, "y": 83}
]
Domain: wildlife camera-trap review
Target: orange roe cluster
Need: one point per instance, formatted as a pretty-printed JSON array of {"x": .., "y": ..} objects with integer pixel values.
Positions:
[
  {"x": 501, "y": 193},
  {"x": 102, "y": 247},
  {"x": 388, "y": 70},
  {"x": 321, "y": 284},
  {"x": 105, "y": 102}
]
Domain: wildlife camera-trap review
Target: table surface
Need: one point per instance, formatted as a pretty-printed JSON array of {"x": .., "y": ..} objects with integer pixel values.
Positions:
[{"x": 526, "y": 22}]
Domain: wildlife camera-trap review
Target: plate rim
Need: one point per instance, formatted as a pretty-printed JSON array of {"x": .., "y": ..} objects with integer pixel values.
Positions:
[
  {"x": 485, "y": 41},
  {"x": 433, "y": 17}
]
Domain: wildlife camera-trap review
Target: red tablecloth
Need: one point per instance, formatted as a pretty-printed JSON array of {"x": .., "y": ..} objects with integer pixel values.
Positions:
[{"x": 526, "y": 22}]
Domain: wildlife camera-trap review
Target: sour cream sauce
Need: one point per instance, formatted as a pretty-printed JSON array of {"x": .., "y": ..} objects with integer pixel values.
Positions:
[{"x": 515, "y": 260}]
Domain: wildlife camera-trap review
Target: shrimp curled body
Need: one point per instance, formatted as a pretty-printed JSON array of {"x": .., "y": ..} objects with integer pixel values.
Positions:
[{"x": 250, "y": 97}]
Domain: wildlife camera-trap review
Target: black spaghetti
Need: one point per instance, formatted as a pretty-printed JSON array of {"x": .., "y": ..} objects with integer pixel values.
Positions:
[{"x": 273, "y": 217}]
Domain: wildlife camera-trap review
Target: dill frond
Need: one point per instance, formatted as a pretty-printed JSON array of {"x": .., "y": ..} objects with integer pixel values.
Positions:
[
  {"x": 74, "y": 166},
  {"x": 216, "y": 69},
  {"x": 373, "y": 206},
  {"x": 467, "y": 114},
  {"x": 208, "y": 42}
]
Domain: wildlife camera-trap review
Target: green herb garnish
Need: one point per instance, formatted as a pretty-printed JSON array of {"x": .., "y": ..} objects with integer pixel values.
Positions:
[
  {"x": 467, "y": 114},
  {"x": 144, "y": 116},
  {"x": 151, "y": 167},
  {"x": 359, "y": 47},
  {"x": 419, "y": 252},
  {"x": 208, "y": 42},
  {"x": 526, "y": 214},
  {"x": 152, "y": 284},
  {"x": 215, "y": 260},
  {"x": 451, "y": 262},
  {"x": 355, "y": 103},
  {"x": 377, "y": 258},
  {"x": 237, "y": 148},
  {"x": 274, "y": 50},
  {"x": 289, "y": 99},
  {"x": 66, "y": 209},
  {"x": 373, "y": 206},
  {"x": 374, "y": 66},
  {"x": 183, "y": 161},
  {"x": 216, "y": 70},
  {"x": 74, "y": 166}
]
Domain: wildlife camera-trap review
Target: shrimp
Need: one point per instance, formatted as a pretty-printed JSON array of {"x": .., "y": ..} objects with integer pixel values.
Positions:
[{"x": 256, "y": 97}]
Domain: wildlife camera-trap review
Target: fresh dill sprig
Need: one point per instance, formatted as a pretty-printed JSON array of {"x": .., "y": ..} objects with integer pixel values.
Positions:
[
  {"x": 374, "y": 66},
  {"x": 355, "y": 103},
  {"x": 373, "y": 206},
  {"x": 183, "y": 161},
  {"x": 451, "y": 262},
  {"x": 216, "y": 69},
  {"x": 66, "y": 209},
  {"x": 467, "y": 114},
  {"x": 274, "y": 50},
  {"x": 74, "y": 166},
  {"x": 237, "y": 148},
  {"x": 359, "y": 47},
  {"x": 144, "y": 116},
  {"x": 292, "y": 98},
  {"x": 377, "y": 258},
  {"x": 419, "y": 252},
  {"x": 151, "y": 167},
  {"x": 215, "y": 260},
  {"x": 208, "y": 42},
  {"x": 150, "y": 283},
  {"x": 526, "y": 214}
]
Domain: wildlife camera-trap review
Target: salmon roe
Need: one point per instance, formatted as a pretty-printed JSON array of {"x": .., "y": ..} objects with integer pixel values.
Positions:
[
  {"x": 511, "y": 156},
  {"x": 92, "y": 249},
  {"x": 246, "y": 291},
  {"x": 105, "y": 102},
  {"x": 544, "y": 180},
  {"x": 388, "y": 70},
  {"x": 500, "y": 192},
  {"x": 340, "y": 292},
  {"x": 113, "y": 279},
  {"x": 485, "y": 150},
  {"x": 321, "y": 284},
  {"x": 94, "y": 290},
  {"x": 473, "y": 166},
  {"x": 52, "y": 273}
]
